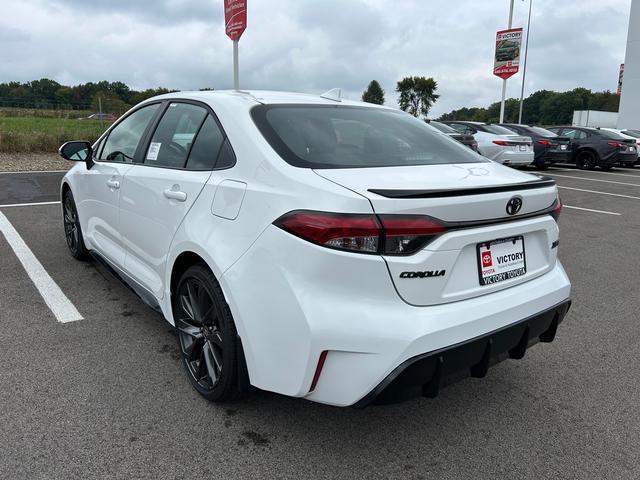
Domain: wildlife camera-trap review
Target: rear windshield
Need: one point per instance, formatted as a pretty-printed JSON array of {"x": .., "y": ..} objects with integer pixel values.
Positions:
[
  {"x": 443, "y": 128},
  {"x": 327, "y": 136},
  {"x": 632, "y": 133},
  {"x": 542, "y": 131},
  {"x": 613, "y": 135},
  {"x": 497, "y": 129}
]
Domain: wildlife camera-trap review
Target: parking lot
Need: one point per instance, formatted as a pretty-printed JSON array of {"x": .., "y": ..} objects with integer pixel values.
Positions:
[{"x": 105, "y": 396}]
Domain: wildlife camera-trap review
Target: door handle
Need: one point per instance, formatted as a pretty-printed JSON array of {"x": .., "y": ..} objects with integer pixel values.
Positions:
[
  {"x": 175, "y": 195},
  {"x": 113, "y": 184}
]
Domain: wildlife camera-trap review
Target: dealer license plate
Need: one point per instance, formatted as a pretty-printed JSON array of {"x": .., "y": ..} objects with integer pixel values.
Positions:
[
  {"x": 523, "y": 148},
  {"x": 501, "y": 260},
  {"x": 563, "y": 147}
]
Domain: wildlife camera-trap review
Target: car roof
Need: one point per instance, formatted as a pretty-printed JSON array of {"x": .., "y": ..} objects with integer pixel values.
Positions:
[{"x": 256, "y": 97}]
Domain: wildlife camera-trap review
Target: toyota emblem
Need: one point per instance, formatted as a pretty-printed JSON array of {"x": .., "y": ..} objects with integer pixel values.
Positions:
[{"x": 514, "y": 205}]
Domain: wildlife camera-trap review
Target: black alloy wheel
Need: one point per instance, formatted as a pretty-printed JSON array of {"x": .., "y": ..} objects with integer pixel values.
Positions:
[
  {"x": 586, "y": 160},
  {"x": 206, "y": 334},
  {"x": 72, "y": 230}
]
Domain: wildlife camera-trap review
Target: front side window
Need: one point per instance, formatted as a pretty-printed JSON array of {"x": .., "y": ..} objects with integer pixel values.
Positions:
[
  {"x": 122, "y": 142},
  {"x": 321, "y": 136},
  {"x": 174, "y": 135}
]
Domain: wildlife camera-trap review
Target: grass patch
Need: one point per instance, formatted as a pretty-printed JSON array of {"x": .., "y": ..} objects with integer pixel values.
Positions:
[{"x": 44, "y": 134}]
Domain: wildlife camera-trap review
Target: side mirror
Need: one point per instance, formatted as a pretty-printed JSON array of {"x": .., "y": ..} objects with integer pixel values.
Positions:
[{"x": 77, "y": 152}]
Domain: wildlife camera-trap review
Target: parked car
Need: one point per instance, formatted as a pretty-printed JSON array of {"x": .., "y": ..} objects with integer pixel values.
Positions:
[
  {"x": 507, "y": 50},
  {"x": 339, "y": 251},
  {"x": 497, "y": 143},
  {"x": 630, "y": 133},
  {"x": 594, "y": 147},
  {"x": 467, "y": 140},
  {"x": 548, "y": 148}
]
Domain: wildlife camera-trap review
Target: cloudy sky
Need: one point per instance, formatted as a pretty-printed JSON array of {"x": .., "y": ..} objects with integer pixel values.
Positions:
[{"x": 313, "y": 45}]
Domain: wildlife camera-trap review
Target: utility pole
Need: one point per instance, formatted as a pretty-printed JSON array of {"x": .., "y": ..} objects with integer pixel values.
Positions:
[
  {"x": 236, "y": 80},
  {"x": 504, "y": 81},
  {"x": 524, "y": 67},
  {"x": 100, "y": 111}
]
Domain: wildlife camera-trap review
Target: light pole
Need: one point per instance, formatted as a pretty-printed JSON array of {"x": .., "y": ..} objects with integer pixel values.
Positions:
[
  {"x": 504, "y": 81},
  {"x": 524, "y": 66}
]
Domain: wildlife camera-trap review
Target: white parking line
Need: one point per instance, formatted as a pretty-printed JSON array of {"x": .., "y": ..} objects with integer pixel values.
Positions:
[
  {"x": 601, "y": 193},
  {"x": 29, "y": 204},
  {"x": 56, "y": 300},
  {"x": 594, "y": 179},
  {"x": 574, "y": 170},
  {"x": 591, "y": 210},
  {"x": 34, "y": 171}
]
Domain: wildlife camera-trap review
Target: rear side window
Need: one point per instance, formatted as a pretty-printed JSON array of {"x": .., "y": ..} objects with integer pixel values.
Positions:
[
  {"x": 123, "y": 140},
  {"x": 174, "y": 136},
  {"x": 612, "y": 135},
  {"x": 206, "y": 147},
  {"x": 326, "y": 136}
]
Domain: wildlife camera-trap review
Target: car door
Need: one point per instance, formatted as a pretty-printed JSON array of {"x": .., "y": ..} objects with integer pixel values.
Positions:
[
  {"x": 158, "y": 193},
  {"x": 98, "y": 207}
]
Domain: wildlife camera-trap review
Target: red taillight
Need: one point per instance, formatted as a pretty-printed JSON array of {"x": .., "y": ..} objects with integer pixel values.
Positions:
[
  {"x": 502, "y": 143},
  {"x": 544, "y": 142},
  {"x": 615, "y": 144},
  {"x": 557, "y": 208},
  {"x": 358, "y": 233},
  {"x": 385, "y": 235},
  {"x": 404, "y": 234}
]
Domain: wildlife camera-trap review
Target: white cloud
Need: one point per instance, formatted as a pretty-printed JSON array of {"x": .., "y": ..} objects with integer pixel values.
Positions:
[{"x": 312, "y": 45}]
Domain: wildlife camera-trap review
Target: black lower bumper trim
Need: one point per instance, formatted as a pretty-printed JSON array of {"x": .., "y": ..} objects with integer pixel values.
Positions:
[{"x": 424, "y": 374}]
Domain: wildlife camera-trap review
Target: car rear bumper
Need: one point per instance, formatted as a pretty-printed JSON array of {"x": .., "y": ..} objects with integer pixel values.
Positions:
[
  {"x": 510, "y": 157},
  {"x": 292, "y": 301},
  {"x": 556, "y": 157},
  {"x": 627, "y": 158},
  {"x": 423, "y": 375}
]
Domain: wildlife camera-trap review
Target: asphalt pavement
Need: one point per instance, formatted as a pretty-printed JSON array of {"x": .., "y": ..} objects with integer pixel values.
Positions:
[{"x": 106, "y": 397}]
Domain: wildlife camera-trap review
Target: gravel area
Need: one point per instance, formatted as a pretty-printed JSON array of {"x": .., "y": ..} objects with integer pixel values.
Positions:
[{"x": 21, "y": 162}]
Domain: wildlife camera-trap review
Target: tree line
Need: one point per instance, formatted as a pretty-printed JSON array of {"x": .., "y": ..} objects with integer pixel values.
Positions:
[
  {"x": 544, "y": 107},
  {"x": 416, "y": 95},
  {"x": 115, "y": 97}
]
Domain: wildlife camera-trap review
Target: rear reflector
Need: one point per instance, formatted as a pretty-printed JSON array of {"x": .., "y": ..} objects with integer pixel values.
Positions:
[
  {"x": 316, "y": 375},
  {"x": 557, "y": 208}
]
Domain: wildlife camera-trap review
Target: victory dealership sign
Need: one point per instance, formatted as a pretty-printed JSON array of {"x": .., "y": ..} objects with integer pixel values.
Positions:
[{"x": 507, "y": 57}]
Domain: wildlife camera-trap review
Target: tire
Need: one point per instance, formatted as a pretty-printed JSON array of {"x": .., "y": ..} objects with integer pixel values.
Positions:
[
  {"x": 211, "y": 353},
  {"x": 72, "y": 230},
  {"x": 586, "y": 160}
]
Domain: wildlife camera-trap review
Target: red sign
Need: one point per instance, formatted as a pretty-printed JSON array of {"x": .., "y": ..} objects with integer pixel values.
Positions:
[
  {"x": 620, "y": 76},
  {"x": 486, "y": 260},
  {"x": 507, "y": 57},
  {"x": 235, "y": 18}
]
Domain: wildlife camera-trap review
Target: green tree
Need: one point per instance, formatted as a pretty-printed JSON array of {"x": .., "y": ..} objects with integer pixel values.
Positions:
[
  {"x": 111, "y": 103},
  {"x": 417, "y": 95},
  {"x": 374, "y": 93}
]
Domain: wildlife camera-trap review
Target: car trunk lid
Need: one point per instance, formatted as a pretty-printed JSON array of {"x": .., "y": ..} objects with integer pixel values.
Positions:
[{"x": 472, "y": 201}]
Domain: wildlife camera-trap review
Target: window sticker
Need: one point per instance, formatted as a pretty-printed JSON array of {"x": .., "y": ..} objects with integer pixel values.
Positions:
[{"x": 154, "y": 149}]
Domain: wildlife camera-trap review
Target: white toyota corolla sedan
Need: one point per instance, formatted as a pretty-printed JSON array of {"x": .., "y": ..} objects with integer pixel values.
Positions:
[{"x": 333, "y": 250}]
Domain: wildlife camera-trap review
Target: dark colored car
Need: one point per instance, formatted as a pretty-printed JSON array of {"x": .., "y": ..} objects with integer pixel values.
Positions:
[
  {"x": 507, "y": 50},
  {"x": 548, "y": 147},
  {"x": 592, "y": 147},
  {"x": 467, "y": 140}
]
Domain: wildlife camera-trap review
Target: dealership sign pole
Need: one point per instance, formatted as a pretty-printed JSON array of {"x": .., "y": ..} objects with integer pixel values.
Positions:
[
  {"x": 235, "y": 21},
  {"x": 503, "y": 68}
]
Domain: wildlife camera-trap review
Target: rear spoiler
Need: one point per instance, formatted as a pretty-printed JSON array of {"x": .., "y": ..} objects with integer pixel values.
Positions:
[{"x": 544, "y": 182}]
